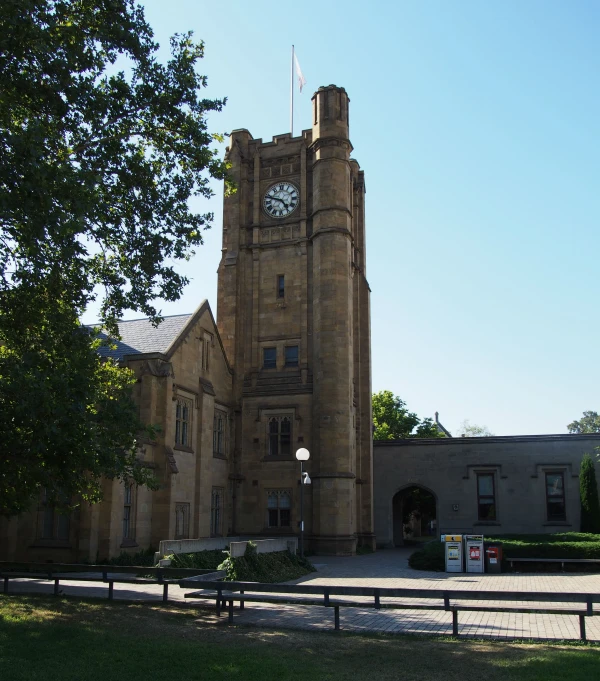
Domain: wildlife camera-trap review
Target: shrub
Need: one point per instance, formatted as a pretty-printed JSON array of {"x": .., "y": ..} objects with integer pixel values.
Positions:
[
  {"x": 202, "y": 560},
  {"x": 430, "y": 557},
  {"x": 588, "y": 492},
  {"x": 269, "y": 568},
  {"x": 144, "y": 557}
]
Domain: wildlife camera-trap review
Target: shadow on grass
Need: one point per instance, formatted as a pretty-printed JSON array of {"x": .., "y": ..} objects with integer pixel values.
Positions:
[{"x": 82, "y": 641}]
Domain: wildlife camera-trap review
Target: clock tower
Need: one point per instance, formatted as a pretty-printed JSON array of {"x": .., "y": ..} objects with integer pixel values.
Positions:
[{"x": 293, "y": 314}]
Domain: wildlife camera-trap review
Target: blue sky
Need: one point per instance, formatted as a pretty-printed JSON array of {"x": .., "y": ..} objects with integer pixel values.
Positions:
[{"x": 478, "y": 127}]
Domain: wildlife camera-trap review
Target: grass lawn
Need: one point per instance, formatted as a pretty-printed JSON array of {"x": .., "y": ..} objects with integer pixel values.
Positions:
[{"x": 69, "y": 640}]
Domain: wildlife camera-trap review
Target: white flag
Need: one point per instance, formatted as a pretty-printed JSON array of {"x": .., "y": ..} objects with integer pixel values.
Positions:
[{"x": 299, "y": 74}]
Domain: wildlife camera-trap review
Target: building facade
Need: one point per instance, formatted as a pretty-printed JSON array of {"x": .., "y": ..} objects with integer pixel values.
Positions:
[
  {"x": 481, "y": 485},
  {"x": 286, "y": 367}
]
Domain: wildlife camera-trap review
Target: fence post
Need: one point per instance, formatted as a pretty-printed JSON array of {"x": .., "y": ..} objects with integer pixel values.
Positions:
[
  {"x": 582, "y": 627},
  {"x": 455, "y": 622},
  {"x": 6, "y": 585},
  {"x": 377, "y": 603},
  {"x": 110, "y": 590},
  {"x": 326, "y": 595},
  {"x": 165, "y": 592},
  {"x": 241, "y": 602},
  {"x": 56, "y": 586},
  {"x": 230, "y": 612},
  {"x": 336, "y": 609}
]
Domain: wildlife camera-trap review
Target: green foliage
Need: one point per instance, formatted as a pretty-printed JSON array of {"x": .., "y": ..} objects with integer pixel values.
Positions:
[
  {"x": 588, "y": 423},
  {"x": 144, "y": 557},
  {"x": 269, "y": 568},
  {"x": 67, "y": 414},
  {"x": 562, "y": 545},
  {"x": 96, "y": 172},
  {"x": 588, "y": 491},
  {"x": 430, "y": 557},
  {"x": 468, "y": 429},
  {"x": 203, "y": 560},
  {"x": 392, "y": 421}
]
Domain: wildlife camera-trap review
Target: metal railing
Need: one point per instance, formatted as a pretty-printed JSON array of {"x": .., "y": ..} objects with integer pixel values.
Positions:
[
  {"x": 454, "y": 601},
  {"x": 108, "y": 574}
]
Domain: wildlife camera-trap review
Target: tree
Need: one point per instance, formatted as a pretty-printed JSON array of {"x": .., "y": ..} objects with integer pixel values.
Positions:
[
  {"x": 97, "y": 167},
  {"x": 393, "y": 421},
  {"x": 588, "y": 492},
  {"x": 467, "y": 429},
  {"x": 589, "y": 423}
]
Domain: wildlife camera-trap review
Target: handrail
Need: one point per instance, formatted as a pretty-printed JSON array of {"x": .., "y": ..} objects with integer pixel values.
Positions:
[
  {"x": 52, "y": 568},
  {"x": 450, "y": 600}
]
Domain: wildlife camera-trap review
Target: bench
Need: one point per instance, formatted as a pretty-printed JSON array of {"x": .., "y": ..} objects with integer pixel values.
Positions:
[
  {"x": 109, "y": 574},
  {"x": 225, "y": 594},
  {"x": 562, "y": 561}
]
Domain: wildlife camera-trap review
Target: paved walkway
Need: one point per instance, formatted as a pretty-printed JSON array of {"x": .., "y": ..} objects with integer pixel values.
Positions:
[{"x": 388, "y": 568}]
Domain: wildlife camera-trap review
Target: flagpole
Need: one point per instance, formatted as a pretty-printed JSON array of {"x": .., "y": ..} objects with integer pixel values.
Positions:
[{"x": 292, "y": 95}]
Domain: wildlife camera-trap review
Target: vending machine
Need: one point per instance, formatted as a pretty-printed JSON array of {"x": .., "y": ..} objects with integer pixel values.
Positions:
[
  {"x": 474, "y": 554},
  {"x": 454, "y": 552}
]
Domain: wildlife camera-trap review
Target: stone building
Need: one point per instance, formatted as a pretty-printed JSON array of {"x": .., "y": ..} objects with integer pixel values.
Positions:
[
  {"x": 286, "y": 366},
  {"x": 483, "y": 485}
]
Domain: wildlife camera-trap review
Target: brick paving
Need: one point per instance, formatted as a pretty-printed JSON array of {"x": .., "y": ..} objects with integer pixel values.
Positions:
[{"x": 388, "y": 568}]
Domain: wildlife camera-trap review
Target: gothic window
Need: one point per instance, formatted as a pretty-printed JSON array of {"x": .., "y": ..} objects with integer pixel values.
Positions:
[
  {"x": 216, "y": 512},
  {"x": 291, "y": 356},
  {"x": 128, "y": 513},
  {"x": 486, "y": 496},
  {"x": 183, "y": 422},
  {"x": 182, "y": 521},
  {"x": 206, "y": 342},
  {"x": 269, "y": 358},
  {"x": 219, "y": 433},
  {"x": 280, "y": 436},
  {"x": 555, "y": 496},
  {"x": 52, "y": 524},
  {"x": 279, "y": 504},
  {"x": 280, "y": 286}
]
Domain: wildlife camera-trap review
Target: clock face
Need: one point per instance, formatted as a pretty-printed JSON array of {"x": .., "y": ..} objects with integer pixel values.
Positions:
[{"x": 281, "y": 199}]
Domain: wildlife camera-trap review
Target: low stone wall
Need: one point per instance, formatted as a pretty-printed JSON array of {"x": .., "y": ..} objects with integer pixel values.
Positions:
[
  {"x": 232, "y": 544},
  {"x": 169, "y": 546},
  {"x": 238, "y": 548}
]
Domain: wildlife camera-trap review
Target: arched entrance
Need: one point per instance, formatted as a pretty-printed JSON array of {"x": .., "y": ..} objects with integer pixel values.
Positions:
[{"x": 414, "y": 513}]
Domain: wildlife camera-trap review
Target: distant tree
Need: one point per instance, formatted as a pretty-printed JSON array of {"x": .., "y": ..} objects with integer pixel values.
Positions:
[
  {"x": 472, "y": 430},
  {"x": 589, "y": 423},
  {"x": 588, "y": 492},
  {"x": 393, "y": 421}
]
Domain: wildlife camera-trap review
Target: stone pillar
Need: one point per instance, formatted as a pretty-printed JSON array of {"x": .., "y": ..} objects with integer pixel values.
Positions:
[{"x": 333, "y": 465}]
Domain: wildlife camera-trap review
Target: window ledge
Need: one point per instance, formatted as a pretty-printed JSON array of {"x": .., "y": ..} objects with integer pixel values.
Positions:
[
  {"x": 183, "y": 448},
  {"x": 219, "y": 456},
  {"x": 493, "y": 523},
  {"x": 129, "y": 544},
  {"x": 279, "y": 458},
  {"x": 50, "y": 544},
  {"x": 557, "y": 523}
]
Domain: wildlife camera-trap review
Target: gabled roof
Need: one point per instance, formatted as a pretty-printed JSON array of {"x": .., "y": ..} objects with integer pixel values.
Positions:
[{"x": 138, "y": 336}]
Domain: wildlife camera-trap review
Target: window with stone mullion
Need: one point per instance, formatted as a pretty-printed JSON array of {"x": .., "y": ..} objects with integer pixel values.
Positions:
[{"x": 280, "y": 436}]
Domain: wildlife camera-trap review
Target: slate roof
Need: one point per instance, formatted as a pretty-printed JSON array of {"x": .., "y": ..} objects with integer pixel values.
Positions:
[{"x": 138, "y": 336}]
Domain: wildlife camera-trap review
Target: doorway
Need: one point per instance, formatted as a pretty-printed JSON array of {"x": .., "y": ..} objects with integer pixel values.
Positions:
[{"x": 414, "y": 515}]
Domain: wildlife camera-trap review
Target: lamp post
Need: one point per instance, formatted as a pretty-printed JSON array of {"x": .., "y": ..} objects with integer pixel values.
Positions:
[{"x": 302, "y": 455}]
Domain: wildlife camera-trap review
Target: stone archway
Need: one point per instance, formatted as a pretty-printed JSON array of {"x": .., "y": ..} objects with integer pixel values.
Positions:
[{"x": 414, "y": 514}]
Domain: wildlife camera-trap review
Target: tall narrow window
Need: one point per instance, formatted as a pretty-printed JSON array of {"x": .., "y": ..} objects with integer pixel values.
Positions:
[
  {"x": 53, "y": 524},
  {"x": 219, "y": 433},
  {"x": 555, "y": 496},
  {"x": 182, "y": 521},
  {"x": 216, "y": 512},
  {"x": 291, "y": 356},
  {"x": 206, "y": 342},
  {"x": 270, "y": 358},
  {"x": 280, "y": 286},
  {"x": 183, "y": 416},
  {"x": 128, "y": 513},
  {"x": 486, "y": 496},
  {"x": 279, "y": 504},
  {"x": 280, "y": 436}
]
